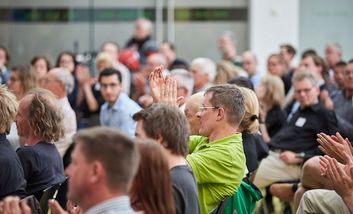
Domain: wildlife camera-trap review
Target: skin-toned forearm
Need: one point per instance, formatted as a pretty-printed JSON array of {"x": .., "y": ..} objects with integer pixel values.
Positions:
[
  {"x": 264, "y": 133},
  {"x": 90, "y": 99}
]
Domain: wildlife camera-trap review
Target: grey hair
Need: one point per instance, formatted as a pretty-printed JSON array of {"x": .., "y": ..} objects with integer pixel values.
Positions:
[
  {"x": 231, "y": 36},
  {"x": 65, "y": 77},
  {"x": 301, "y": 75},
  {"x": 207, "y": 66},
  {"x": 231, "y": 99},
  {"x": 147, "y": 24},
  {"x": 337, "y": 47},
  {"x": 186, "y": 79}
]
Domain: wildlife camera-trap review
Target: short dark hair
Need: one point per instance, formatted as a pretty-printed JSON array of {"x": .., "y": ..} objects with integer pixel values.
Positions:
[
  {"x": 108, "y": 72},
  {"x": 231, "y": 99},
  {"x": 38, "y": 57},
  {"x": 168, "y": 122},
  {"x": 290, "y": 49},
  {"x": 242, "y": 82},
  {"x": 118, "y": 154},
  {"x": 308, "y": 52},
  {"x": 340, "y": 64}
]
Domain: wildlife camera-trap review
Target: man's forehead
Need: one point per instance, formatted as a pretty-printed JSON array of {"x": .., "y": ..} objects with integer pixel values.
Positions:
[{"x": 304, "y": 81}]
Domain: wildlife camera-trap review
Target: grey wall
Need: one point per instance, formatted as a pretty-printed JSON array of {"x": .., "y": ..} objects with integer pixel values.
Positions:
[
  {"x": 192, "y": 38},
  {"x": 323, "y": 21}
]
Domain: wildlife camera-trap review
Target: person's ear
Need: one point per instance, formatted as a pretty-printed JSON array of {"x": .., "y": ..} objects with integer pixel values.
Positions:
[
  {"x": 96, "y": 172},
  {"x": 220, "y": 114}
]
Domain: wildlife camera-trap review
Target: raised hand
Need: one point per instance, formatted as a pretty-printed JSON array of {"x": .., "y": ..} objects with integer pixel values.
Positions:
[
  {"x": 335, "y": 146},
  {"x": 156, "y": 83},
  {"x": 169, "y": 91}
]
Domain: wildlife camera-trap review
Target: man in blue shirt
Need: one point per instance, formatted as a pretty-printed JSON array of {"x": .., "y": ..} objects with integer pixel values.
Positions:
[{"x": 118, "y": 108}]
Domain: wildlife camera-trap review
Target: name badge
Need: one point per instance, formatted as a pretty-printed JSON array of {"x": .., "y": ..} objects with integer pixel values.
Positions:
[{"x": 300, "y": 122}]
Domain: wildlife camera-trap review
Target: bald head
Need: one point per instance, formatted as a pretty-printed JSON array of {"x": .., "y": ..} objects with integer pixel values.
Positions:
[
  {"x": 191, "y": 108},
  {"x": 143, "y": 28}
]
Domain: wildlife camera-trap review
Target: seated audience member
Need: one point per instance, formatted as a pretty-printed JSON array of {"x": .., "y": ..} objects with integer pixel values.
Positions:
[
  {"x": 104, "y": 163},
  {"x": 217, "y": 157},
  {"x": 192, "y": 106},
  {"x": 12, "y": 180},
  {"x": 271, "y": 97},
  {"x": 169, "y": 51},
  {"x": 295, "y": 141},
  {"x": 227, "y": 45},
  {"x": 340, "y": 101},
  {"x": 313, "y": 63},
  {"x": 168, "y": 126},
  {"x": 339, "y": 177},
  {"x": 288, "y": 53},
  {"x": 22, "y": 79},
  {"x": 203, "y": 71},
  {"x": 333, "y": 54},
  {"x": 67, "y": 60},
  {"x": 151, "y": 189},
  {"x": 226, "y": 71},
  {"x": 276, "y": 66},
  {"x": 40, "y": 122},
  {"x": 249, "y": 127},
  {"x": 242, "y": 82},
  {"x": 4, "y": 62},
  {"x": 60, "y": 82},
  {"x": 89, "y": 98},
  {"x": 112, "y": 48},
  {"x": 338, "y": 74},
  {"x": 118, "y": 107},
  {"x": 41, "y": 65},
  {"x": 250, "y": 67},
  {"x": 185, "y": 84}
]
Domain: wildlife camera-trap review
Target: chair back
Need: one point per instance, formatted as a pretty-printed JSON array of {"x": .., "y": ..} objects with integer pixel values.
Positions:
[{"x": 48, "y": 193}]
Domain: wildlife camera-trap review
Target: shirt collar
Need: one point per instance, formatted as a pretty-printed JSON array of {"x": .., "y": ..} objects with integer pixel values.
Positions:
[{"x": 121, "y": 203}]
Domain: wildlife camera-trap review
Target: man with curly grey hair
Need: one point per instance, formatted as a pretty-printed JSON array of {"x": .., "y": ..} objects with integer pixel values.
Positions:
[{"x": 39, "y": 122}]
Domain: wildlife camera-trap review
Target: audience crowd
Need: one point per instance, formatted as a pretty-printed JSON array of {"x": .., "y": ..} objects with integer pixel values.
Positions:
[{"x": 147, "y": 132}]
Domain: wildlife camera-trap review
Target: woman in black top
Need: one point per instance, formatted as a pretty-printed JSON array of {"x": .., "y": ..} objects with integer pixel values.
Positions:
[{"x": 271, "y": 97}]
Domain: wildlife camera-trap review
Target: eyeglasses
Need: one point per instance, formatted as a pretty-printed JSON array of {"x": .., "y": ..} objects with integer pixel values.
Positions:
[
  {"x": 204, "y": 108},
  {"x": 305, "y": 90}
]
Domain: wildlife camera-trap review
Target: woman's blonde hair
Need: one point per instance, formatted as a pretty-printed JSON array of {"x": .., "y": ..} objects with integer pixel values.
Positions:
[
  {"x": 274, "y": 90},
  {"x": 105, "y": 57},
  {"x": 226, "y": 71},
  {"x": 250, "y": 120},
  {"x": 8, "y": 109}
]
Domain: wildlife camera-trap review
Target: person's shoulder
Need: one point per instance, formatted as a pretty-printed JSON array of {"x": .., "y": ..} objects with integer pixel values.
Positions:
[
  {"x": 128, "y": 103},
  {"x": 197, "y": 138},
  {"x": 26, "y": 152}
]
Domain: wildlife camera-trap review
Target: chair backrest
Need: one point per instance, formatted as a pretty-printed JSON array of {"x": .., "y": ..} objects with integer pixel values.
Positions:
[
  {"x": 61, "y": 197},
  {"x": 48, "y": 193},
  {"x": 222, "y": 205}
]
